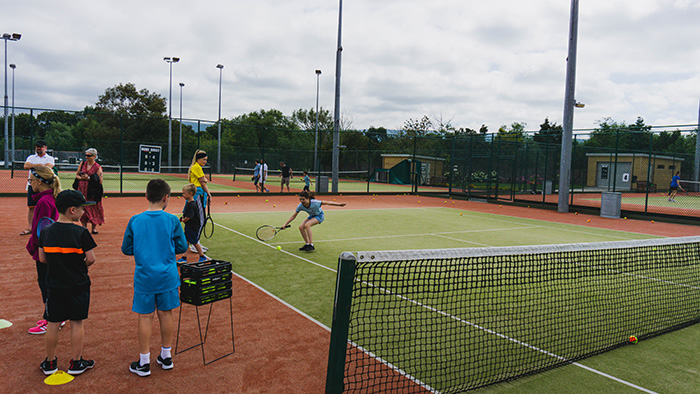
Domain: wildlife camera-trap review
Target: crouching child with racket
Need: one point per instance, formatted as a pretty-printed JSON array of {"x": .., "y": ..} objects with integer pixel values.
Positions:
[
  {"x": 154, "y": 237},
  {"x": 68, "y": 250},
  {"x": 310, "y": 205}
]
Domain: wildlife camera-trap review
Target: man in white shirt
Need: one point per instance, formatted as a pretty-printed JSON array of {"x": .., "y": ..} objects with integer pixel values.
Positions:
[{"x": 41, "y": 158}]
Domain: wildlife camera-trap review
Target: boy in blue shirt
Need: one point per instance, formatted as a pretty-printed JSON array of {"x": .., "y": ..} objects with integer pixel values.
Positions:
[
  {"x": 154, "y": 237},
  {"x": 311, "y": 206}
]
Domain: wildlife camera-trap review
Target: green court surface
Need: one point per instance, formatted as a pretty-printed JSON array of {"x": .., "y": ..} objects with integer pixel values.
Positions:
[{"x": 306, "y": 281}]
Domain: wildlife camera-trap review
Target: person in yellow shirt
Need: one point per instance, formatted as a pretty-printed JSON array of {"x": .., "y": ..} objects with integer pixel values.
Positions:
[{"x": 196, "y": 176}]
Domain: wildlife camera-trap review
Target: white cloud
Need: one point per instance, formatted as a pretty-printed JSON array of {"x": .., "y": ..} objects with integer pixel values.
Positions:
[{"x": 472, "y": 62}]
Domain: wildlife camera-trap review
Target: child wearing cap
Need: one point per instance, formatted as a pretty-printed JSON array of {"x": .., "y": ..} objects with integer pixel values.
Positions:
[{"x": 67, "y": 250}]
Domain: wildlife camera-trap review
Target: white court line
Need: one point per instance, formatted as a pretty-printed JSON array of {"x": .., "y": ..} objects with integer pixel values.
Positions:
[
  {"x": 460, "y": 240},
  {"x": 416, "y": 235},
  {"x": 543, "y": 226},
  {"x": 440, "y": 312}
]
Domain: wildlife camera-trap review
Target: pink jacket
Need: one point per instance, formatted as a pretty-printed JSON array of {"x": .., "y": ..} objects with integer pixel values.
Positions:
[{"x": 45, "y": 206}]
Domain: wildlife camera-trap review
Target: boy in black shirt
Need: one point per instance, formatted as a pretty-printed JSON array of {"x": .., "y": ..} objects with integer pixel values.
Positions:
[
  {"x": 68, "y": 249},
  {"x": 193, "y": 217}
]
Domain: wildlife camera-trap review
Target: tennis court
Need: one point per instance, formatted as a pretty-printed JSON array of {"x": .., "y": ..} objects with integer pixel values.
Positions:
[{"x": 306, "y": 281}]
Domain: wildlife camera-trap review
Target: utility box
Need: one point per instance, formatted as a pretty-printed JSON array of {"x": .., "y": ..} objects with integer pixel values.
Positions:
[
  {"x": 547, "y": 187},
  {"x": 611, "y": 205},
  {"x": 322, "y": 184}
]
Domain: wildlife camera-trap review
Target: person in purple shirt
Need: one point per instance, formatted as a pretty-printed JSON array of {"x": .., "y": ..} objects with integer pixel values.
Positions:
[
  {"x": 154, "y": 237},
  {"x": 46, "y": 187}
]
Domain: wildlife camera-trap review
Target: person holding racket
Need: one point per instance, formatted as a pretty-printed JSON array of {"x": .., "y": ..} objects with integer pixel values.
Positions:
[
  {"x": 196, "y": 177},
  {"x": 67, "y": 250},
  {"x": 193, "y": 217},
  {"x": 675, "y": 185},
  {"x": 310, "y": 205},
  {"x": 46, "y": 187}
]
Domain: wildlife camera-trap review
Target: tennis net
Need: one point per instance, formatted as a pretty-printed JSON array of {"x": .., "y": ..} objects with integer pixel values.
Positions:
[
  {"x": 453, "y": 320},
  {"x": 246, "y": 174}
]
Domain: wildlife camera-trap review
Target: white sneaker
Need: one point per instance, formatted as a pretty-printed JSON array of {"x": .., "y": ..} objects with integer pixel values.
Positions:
[{"x": 193, "y": 249}]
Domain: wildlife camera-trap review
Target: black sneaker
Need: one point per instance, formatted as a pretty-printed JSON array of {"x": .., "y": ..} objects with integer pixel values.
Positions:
[
  {"x": 166, "y": 363},
  {"x": 309, "y": 248},
  {"x": 49, "y": 367},
  {"x": 80, "y": 366},
  {"x": 141, "y": 370},
  {"x": 304, "y": 247}
]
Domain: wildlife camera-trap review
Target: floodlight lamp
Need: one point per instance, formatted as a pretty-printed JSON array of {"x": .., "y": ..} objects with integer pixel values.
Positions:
[
  {"x": 318, "y": 72},
  {"x": 219, "y": 66},
  {"x": 579, "y": 105},
  {"x": 182, "y": 84},
  {"x": 176, "y": 59},
  {"x": 6, "y": 35},
  {"x": 12, "y": 66},
  {"x": 16, "y": 36},
  {"x": 167, "y": 59}
]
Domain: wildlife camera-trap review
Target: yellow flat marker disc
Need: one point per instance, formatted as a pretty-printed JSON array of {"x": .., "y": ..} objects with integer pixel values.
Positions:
[
  {"x": 58, "y": 377},
  {"x": 4, "y": 324}
]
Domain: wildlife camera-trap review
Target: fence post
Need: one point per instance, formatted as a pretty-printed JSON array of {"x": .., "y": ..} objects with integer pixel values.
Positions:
[
  {"x": 335, "y": 373},
  {"x": 121, "y": 154},
  {"x": 646, "y": 198}
]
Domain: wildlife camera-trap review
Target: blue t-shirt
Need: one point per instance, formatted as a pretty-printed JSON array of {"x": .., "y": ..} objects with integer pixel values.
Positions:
[
  {"x": 314, "y": 208},
  {"x": 307, "y": 180},
  {"x": 674, "y": 180},
  {"x": 153, "y": 238},
  {"x": 256, "y": 170}
]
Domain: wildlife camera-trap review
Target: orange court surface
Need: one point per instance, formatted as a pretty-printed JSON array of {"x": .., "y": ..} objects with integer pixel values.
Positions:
[{"x": 277, "y": 350}]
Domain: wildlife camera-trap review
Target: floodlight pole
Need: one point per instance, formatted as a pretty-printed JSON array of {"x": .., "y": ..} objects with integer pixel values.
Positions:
[
  {"x": 218, "y": 151},
  {"x": 170, "y": 61},
  {"x": 7, "y": 37},
  {"x": 316, "y": 169},
  {"x": 179, "y": 159},
  {"x": 336, "y": 114},
  {"x": 569, "y": 103},
  {"x": 696, "y": 167},
  {"x": 12, "y": 157}
]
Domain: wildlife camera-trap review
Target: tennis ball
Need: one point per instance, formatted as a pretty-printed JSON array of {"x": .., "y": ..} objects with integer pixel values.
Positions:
[
  {"x": 575, "y": 213},
  {"x": 372, "y": 198},
  {"x": 500, "y": 206},
  {"x": 589, "y": 220},
  {"x": 418, "y": 201},
  {"x": 238, "y": 195},
  {"x": 265, "y": 200},
  {"x": 460, "y": 214},
  {"x": 279, "y": 248},
  {"x": 273, "y": 205},
  {"x": 225, "y": 202},
  {"x": 178, "y": 197},
  {"x": 652, "y": 221},
  {"x": 633, "y": 339},
  {"x": 625, "y": 217}
]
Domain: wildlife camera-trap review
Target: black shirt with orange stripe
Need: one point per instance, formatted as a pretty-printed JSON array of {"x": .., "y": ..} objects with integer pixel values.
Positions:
[{"x": 65, "y": 245}]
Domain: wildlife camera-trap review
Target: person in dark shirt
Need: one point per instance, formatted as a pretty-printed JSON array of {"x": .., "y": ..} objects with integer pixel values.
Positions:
[
  {"x": 193, "y": 217},
  {"x": 68, "y": 250},
  {"x": 285, "y": 175}
]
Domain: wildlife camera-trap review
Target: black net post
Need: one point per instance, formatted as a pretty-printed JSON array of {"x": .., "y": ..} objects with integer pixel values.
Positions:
[{"x": 341, "y": 320}]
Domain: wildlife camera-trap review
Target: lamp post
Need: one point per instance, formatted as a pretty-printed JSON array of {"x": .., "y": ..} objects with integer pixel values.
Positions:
[
  {"x": 179, "y": 159},
  {"x": 218, "y": 149},
  {"x": 12, "y": 157},
  {"x": 170, "y": 61},
  {"x": 7, "y": 37},
  {"x": 336, "y": 110},
  {"x": 316, "y": 169}
]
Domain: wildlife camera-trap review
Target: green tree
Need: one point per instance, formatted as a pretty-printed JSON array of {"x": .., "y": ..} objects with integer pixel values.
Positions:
[
  {"x": 516, "y": 132},
  {"x": 549, "y": 132},
  {"x": 306, "y": 119}
]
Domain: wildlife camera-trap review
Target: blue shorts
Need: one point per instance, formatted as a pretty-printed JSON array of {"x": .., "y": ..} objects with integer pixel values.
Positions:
[
  {"x": 191, "y": 235},
  {"x": 317, "y": 217},
  {"x": 31, "y": 203},
  {"x": 147, "y": 303}
]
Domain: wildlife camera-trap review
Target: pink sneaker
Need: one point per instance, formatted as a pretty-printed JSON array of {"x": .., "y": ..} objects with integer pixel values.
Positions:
[
  {"x": 41, "y": 322},
  {"x": 38, "y": 330}
]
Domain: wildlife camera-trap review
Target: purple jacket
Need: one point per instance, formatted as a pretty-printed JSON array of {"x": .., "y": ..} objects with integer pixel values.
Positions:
[{"x": 45, "y": 206}]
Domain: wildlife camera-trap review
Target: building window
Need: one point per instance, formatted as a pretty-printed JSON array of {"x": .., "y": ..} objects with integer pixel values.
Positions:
[{"x": 660, "y": 166}]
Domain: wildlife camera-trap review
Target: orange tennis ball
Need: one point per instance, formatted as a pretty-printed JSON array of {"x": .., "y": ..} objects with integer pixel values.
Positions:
[
  {"x": 273, "y": 205},
  {"x": 500, "y": 206},
  {"x": 633, "y": 339},
  {"x": 225, "y": 202},
  {"x": 589, "y": 220},
  {"x": 652, "y": 221},
  {"x": 460, "y": 214},
  {"x": 575, "y": 213}
]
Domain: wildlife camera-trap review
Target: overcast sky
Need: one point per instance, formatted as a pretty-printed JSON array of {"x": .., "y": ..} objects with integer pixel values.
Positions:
[{"x": 468, "y": 62}]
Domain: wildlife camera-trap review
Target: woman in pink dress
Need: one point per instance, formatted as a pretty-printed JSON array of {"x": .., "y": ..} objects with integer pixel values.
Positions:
[{"x": 89, "y": 175}]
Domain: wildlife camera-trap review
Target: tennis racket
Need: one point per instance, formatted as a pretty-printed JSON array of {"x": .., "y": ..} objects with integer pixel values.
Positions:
[
  {"x": 267, "y": 232},
  {"x": 43, "y": 223},
  {"x": 208, "y": 229}
]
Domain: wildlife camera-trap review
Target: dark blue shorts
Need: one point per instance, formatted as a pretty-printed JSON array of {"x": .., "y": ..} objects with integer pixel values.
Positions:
[
  {"x": 30, "y": 201},
  {"x": 191, "y": 235}
]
